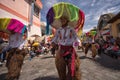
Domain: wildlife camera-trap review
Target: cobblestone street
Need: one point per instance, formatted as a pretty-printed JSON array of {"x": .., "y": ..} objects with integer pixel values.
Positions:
[{"x": 43, "y": 68}]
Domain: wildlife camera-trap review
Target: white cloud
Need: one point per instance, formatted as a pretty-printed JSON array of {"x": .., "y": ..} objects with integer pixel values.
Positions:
[
  {"x": 109, "y": 7},
  {"x": 96, "y": 18},
  {"x": 86, "y": 30},
  {"x": 84, "y": 3},
  {"x": 111, "y": 10},
  {"x": 50, "y": 3},
  {"x": 87, "y": 16},
  {"x": 103, "y": 8},
  {"x": 100, "y": 7},
  {"x": 93, "y": 2}
]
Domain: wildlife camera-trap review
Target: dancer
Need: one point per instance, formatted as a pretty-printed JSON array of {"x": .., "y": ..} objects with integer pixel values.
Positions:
[{"x": 66, "y": 55}]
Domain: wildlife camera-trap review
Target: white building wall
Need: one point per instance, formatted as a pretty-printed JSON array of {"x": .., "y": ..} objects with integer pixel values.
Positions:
[
  {"x": 5, "y": 14},
  {"x": 35, "y": 30}
]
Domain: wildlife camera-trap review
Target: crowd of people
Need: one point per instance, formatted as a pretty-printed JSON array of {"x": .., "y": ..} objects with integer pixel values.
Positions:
[
  {"x": 37, "y": 48},
  {"x": 17, "y": 44},
  {"x": 34, "y": 47},
  {"x": 13, "y": 53},
  {"x": 109, "y": 46}
]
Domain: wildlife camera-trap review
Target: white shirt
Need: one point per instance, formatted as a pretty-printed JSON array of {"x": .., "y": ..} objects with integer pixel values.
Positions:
[
  {"x": 16, "y": 41},
  {"x": 65, "y": 36}
]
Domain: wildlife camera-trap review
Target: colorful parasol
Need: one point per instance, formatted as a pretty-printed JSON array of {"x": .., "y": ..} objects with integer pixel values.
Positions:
[
  {"x": 36, "y": 44},
  {"x": 75, "y": 15},
  {"x": 9, "y": 24},
  {"x": 93, "y": 33}
]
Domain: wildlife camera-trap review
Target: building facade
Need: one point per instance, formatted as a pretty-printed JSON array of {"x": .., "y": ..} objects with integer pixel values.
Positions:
[
  {"x": 26, "y": 11},
  {"x": 115, "y": 25},
  {"x": 103, "y": 28}
]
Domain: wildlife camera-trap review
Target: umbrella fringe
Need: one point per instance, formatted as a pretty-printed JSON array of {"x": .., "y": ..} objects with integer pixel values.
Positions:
[
  {"x": 47, "y": 28},
  {"x": 23, "y": 30}
]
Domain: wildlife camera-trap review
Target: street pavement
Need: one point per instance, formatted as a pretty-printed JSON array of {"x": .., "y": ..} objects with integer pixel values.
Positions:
[{"x": 43, "y": 68}]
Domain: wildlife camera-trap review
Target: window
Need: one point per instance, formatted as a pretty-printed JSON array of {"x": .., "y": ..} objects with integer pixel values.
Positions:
[
  {"x": 104, "y": 23},
  {"x": 36, "y": 11}
]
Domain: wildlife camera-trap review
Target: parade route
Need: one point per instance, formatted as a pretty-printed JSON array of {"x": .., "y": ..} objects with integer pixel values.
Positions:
[
  {"x": 43, "y": 68},
  {"x": 39, "y": 38}
]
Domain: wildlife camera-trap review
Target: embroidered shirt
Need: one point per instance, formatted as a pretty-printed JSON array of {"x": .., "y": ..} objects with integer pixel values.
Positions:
[
  {"x": 65, "y": 36},
  {"x": 16, "y": 41}
]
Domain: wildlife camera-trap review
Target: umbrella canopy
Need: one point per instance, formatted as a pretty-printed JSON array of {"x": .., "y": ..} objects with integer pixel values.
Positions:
[
  {"x": 75, "y": 15},
  {"x": 9, "y": 24},
  {"x": 93, "y": 33},
  {"x": 36, "y": 44}
]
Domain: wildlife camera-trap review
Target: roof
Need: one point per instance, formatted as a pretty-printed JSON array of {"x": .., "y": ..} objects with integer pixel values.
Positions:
[
  {"x": 114, "y": 18},
  {"x": 104, "y": 19}
]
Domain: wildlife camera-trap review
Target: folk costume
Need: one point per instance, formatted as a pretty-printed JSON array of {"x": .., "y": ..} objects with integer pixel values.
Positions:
[
  {"x": 66, "y": 54},
  {"x": 90, "y": 45},
  {"x": 15, "y": 56}
]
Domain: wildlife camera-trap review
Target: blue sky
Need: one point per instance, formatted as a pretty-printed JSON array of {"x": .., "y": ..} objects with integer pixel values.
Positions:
[{"x": 92, "y": 9}]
